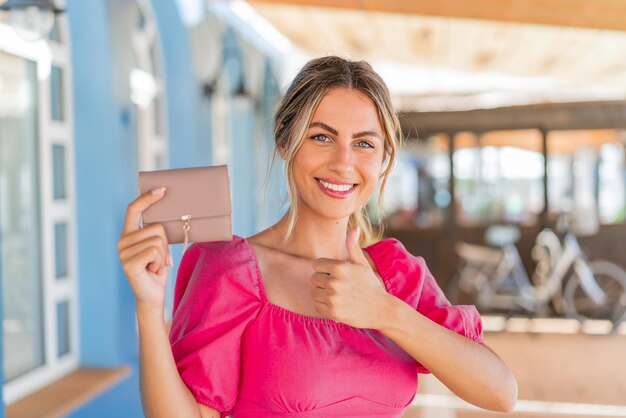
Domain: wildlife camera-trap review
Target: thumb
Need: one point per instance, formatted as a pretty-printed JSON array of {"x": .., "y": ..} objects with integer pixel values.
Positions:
[{"x": 355, "y": 253}]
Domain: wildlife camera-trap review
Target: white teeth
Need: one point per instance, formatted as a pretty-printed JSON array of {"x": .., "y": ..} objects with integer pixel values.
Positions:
[{"x": 336, "y": 187}]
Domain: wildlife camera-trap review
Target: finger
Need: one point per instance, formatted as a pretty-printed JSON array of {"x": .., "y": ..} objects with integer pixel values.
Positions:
[
  {"x": 143, "y": 202},
  {"x": 149, "y": 258},
  {"x": 132, "y": 262},
  {"x": 134, "y": 266},
  {"x": 315, "y": 280},
  {"x": 326, "y": 265},
  {"x": 144, "y": 233},
  {"x": 141, "y": 239},
  {"x": 151, "y": 241},
  {"x": 161, "y": 272},
  {"x": 319, "y": 297},
  {"x": 355, "y": 253},
  {"x": 320, "y": 280}
]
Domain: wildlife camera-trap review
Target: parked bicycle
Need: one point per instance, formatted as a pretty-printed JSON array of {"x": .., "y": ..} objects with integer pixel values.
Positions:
[{"x": 494, "y": 279}]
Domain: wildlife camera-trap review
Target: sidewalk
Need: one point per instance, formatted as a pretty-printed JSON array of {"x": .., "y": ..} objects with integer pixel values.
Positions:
[{"x": 560, "y": 372}]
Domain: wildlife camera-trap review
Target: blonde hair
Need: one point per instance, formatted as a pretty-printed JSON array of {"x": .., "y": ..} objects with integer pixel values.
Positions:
[{"x": 296, "y": 109}]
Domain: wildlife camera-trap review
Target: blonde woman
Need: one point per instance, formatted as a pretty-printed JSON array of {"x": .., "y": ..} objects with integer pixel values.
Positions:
[{"x": 299, "y": 320}]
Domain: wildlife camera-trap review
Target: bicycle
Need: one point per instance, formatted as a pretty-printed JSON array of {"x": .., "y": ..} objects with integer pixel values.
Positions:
[{"x": 494, "y": 279}]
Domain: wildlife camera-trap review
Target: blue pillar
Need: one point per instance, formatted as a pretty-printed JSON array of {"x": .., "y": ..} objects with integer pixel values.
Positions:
[
  {"x": 244, "y": 178},
  {"x": 188, "y": 115},
  {"x": 106, "y": 171},
  {"x": 274, "y": 203},
  {"x": 240, "y": 122}
]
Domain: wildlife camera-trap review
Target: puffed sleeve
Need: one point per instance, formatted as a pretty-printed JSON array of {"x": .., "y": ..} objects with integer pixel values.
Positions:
[
  {"x": 215, "y": 299},
  {"x": 409, "y": 279}
]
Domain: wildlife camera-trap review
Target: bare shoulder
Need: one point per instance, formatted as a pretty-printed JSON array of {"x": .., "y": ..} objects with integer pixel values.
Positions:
[
  {"x": 273, "y": 263},
  {"x": 262, "y": 246}
]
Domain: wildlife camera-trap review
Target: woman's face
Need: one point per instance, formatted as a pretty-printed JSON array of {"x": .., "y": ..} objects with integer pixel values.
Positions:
[{"x": 338, "y": 166}]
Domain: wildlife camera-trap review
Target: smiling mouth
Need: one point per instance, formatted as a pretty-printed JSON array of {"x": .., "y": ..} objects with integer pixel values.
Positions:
[{"x": 336, "y": 189}]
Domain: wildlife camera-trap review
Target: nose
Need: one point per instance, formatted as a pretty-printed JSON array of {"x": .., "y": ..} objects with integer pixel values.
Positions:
[{"x": 341, "y": 160}]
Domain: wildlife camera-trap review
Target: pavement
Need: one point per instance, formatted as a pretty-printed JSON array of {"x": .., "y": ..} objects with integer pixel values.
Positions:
[{"x": 563, "y": 369}]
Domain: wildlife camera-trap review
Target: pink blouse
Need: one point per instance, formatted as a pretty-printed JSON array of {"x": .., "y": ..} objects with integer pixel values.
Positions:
[{"x": 243, "y": 356}]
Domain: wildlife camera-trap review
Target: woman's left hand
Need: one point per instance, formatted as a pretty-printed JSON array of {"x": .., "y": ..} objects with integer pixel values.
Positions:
[{"x": 349, "y": 291}]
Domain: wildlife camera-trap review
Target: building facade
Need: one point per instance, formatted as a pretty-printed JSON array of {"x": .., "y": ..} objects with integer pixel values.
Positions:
[{"x": 117, "y": 87}]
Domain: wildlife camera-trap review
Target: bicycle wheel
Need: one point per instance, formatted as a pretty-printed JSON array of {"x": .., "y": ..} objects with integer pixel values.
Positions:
[
  {"x": 460, "y": 293},
  {"x": 612, "y": 280}
]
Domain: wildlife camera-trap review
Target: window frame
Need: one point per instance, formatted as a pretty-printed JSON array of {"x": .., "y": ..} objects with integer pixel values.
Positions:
[
  {"x": 152, "y": 143},
  {"x": 46, "y": 54}
]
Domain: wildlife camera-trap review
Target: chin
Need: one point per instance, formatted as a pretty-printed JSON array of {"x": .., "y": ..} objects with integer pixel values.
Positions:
[{"x": 329, "y": 209}]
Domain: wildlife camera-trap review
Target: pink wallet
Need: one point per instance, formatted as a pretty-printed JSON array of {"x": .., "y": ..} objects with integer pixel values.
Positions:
[{"x": 196, "y": 206}]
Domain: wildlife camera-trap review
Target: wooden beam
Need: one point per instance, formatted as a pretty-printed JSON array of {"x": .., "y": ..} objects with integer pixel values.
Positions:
[
  {"x": 596, "y": 14},
  {"x": 549, "y": 117}
]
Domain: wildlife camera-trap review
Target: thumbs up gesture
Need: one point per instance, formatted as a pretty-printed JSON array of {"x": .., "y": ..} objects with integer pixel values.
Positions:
[{"x": 348, "y": 291}]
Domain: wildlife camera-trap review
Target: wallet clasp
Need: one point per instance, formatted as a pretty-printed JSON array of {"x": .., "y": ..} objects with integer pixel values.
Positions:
[{"x": 186, "y": 227}]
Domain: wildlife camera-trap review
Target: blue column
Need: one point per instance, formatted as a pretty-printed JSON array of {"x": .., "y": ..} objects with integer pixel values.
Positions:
[
  {"x": 188, "y": 115},
  {"x": 241, "y": 110},
  {"x": 106, "y": 170},
  {"x": 242, "y": 167},
  {"x": 274, "y": 204}
]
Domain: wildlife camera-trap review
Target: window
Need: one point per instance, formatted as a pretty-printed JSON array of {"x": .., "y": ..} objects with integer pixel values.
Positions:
[
  {"x": 147, "y": 91},
  {"x": 586, "y": 175},
  {"x": 60, "y": 250},
  {"x": 57, "y": 94},
  {"x": 59, "y": 181},
  {"x": 20, "y": 229},
  {"x": 63, "y": 328},
  {"x": 612, "y": 184},
  {"x": 499, "y": 177},
  {"x": 37, "y": 218}
]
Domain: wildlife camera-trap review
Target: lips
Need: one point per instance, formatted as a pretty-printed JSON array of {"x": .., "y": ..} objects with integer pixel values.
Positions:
[{"x": 336, "y": 189}]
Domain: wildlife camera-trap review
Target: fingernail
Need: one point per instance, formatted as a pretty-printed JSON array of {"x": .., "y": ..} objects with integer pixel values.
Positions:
[
  {"x": 170, "y": 261},
  {"x": 158, "y": 191}
]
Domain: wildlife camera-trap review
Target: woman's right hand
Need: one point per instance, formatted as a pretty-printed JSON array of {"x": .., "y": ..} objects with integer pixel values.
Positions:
[{"x": 144, "y": 253}]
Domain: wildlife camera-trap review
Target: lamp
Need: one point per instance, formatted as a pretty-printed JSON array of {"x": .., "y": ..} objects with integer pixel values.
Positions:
[{"x": 31, "y": 19}]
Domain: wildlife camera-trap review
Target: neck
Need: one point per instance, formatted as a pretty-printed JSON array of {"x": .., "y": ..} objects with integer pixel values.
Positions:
[{"x": 313, "y": 237}]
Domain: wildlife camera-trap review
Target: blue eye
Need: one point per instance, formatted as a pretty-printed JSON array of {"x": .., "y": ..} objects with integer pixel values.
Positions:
[
  {"x": 320, "y": 137},
  {"x": 364, "y": 144}
]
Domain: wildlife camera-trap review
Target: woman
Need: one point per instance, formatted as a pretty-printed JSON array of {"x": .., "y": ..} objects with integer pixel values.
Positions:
[{"x": 299, "y": 320}]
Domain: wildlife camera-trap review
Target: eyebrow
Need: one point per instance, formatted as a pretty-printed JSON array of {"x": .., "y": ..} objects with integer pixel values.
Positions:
[{"x": 334, "y": 131}]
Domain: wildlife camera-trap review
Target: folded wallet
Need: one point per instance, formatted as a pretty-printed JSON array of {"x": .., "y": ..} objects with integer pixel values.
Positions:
[{"x": 196, "y": 206}]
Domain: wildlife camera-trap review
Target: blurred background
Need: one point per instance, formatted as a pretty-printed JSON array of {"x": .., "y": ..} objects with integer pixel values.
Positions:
[{"x": 511, "y": 182}]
